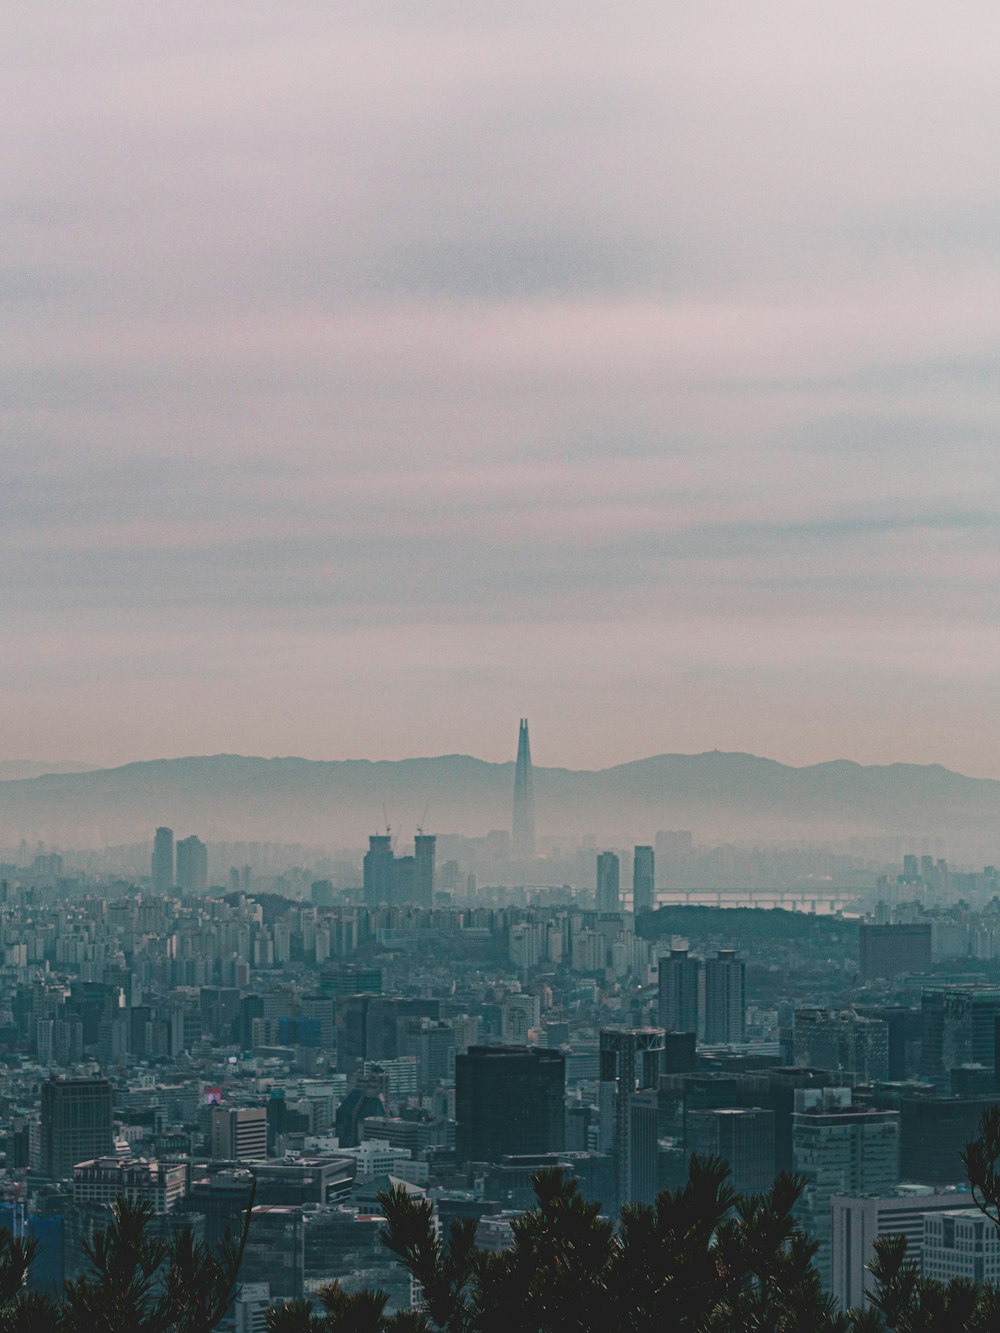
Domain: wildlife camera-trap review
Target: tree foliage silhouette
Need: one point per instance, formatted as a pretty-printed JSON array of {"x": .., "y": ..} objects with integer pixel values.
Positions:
[
  {"x": 701, "y": 1259},
  {"x": 136, "y": 1283}
]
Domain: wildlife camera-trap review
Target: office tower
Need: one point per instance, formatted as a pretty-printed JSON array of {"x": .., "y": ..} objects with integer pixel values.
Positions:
[
  {"x": 378, "y": 866},
  {"x": 163, "y": 860},
  {"x": 192, "y": 865},
  {"x": 239, "y": 1132},
  {"x": 960, "y": 1243},
  {"x": 859, "y": 1222},
  {"x": 425, "y": 848},
  {"x": 839, "y": 1149},
  {"x": 888, "y": 951},
  {"x": 643, "y": 880},
  {"x": 608, "y": 882},
  {"x": 933, "y": 1134},
  {"x": 509, "y": 1100},
  {"x": 630, "y": 1063},
  {"x": 276, "y": 1249},
  {"x": 76, "y": 1124},
  {"x": 958, "y": 1028},
  {"x": 523, "y": 828},
  {"x": 321, "y": 1009},
  {"x": 679, "y": 983},
  {"x": 725, "y": 998},
  {"x": 643, "y": 1147},
  {"x": 741, "y": 1136},
  {"x": 782, "y": 1087},
  {"x": 841, "y": 1040},
  {"x": 680, "y": 1055},
  {"x": 904, "y": 1026}
]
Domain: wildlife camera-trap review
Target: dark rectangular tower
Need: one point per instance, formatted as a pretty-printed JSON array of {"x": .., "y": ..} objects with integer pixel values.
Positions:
[
  {"x": 163, "y": 860},
  {"x": 76, "y": 1124},
  {"x": 378, "y": 870},
  {"x": 509, "y": 1100},
  {"x": 425, "y": 849}
]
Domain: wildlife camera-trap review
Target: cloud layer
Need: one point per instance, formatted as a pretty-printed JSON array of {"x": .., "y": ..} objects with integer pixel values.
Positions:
[{"x": 375, "y": 375}]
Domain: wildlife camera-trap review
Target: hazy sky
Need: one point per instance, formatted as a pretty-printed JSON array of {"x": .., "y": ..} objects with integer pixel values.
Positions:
[{"x": 374, "y": 374}]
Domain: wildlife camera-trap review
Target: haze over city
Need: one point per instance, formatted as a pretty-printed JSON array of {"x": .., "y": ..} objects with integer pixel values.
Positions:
[
  {"x": 499, "y": 640},
  {"x": 374, "y": 375}
]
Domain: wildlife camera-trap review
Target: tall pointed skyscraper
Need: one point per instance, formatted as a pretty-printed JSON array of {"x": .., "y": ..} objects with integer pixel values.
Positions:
[{"x": 523, "y": 831}]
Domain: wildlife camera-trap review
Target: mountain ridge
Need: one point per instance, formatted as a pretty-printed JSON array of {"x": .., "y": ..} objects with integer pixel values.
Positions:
[{"x": 720, "y": 795}]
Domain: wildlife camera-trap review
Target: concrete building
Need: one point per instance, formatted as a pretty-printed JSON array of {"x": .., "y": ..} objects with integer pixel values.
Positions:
[
  {"x": 839, "y": 1149},
  {"x": 960, "y": 1244},
  {"x": 857, "y": 1222},
  {"x": 160, "y": 1184},
  {"x": 253, "y": 1300},
  {"x": 238, "y": 1133}
]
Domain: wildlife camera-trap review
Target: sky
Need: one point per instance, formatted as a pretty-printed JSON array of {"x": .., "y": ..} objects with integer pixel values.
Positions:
[{"x": 376, "y": 374}]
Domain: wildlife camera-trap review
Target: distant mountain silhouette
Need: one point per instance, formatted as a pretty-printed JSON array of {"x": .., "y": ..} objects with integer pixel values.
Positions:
[
  {"x": 11, "y": 769},
  {"x": 719, "y": 796}
]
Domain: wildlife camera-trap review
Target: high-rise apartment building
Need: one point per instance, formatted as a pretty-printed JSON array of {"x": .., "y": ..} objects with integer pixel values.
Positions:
[
  {"x": 76, "y": 1124},
  {"x": 725, "y": 998},
  {"x": 643, "y": 880},
  {"x": 509, "y": 1101},
  {"x": 378, "y": 886},
  {"x": 392, "y": 880},
  {"x": 679, "y": 987},
  {"x": 163, "y": 860},
  {"x": 425, "y": 855},
  {"x": 608, "y": 882},
  {"x": 839, "y": 1149},
  {"x": 523, "y": 827},
  {"x": 192, "y": 865}
]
